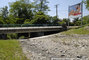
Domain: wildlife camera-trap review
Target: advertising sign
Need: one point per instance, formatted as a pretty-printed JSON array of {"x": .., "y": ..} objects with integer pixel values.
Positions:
[{"x": 75, "y": 11}]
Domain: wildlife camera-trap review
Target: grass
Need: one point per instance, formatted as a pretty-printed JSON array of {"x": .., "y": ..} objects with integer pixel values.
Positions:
[
  {"x": 11, "y": 50},
  {"x": 77, "y": 31}
]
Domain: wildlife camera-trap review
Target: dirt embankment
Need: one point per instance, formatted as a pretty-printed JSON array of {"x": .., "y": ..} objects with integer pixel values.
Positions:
[{"x": 56, "y": 46}]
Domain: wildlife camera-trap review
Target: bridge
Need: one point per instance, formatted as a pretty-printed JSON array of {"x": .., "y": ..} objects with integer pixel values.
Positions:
[
  {"x": 7, "y": 30},
  {"x": 27, "y": 28}
]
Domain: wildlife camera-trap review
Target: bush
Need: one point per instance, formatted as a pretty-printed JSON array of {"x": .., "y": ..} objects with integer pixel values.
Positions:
[
  {"x": 12, "y": 36},
  {"x": 21, "y": 37}
]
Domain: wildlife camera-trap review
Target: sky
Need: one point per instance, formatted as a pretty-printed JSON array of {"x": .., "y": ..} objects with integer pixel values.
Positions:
[{"x": 62, "y": 7}]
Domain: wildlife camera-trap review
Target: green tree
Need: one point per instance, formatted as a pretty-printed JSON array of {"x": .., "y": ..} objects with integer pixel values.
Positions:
[
  {"x": 66, "y": 21},
  {"x": 87, "y": 4},
  {"x": 40, "y": 18},
  {"x": 55, "y": 20},
  {"x": 86, "y": 19},
  {"x": 4, "y": 15},
  {"x": 77, "y": 22},
  {"x": 11, "y": 19},
  {"x": 27, "y": 21},
  {"x": 1, "y": 20},
  {"x": 41, "y": 5},
  {"x": 5, "y": 12},
  {"x": 21, "y": 10}
]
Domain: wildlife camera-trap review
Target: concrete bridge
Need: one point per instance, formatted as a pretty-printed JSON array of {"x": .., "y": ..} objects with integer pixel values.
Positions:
[
  {"x": 29, "y": 29},
  {"x": 40, "y": 29}
]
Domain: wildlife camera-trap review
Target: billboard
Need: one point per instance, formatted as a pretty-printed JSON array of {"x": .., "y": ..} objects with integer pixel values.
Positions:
[{"x": 75, "y": 10}]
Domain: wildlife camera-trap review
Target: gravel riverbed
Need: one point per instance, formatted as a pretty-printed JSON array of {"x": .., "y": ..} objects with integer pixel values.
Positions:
[{"x": 56, "y": 46}]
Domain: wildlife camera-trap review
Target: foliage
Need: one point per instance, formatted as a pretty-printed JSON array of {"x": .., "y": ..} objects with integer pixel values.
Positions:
[
  {"x": 77, "y": 31},
  {"x": 77, "y": 22},
  {"x": 87, "y": 4},
  {"x": 61, "y": 22},
  {"x": 27, "y": 21},
  {"x": 5, "y": 12},
  {"x": 11, "y": 19},
  {"x": 12, "y": 36},
  {"x": 21, "y": 37},
  {"x": 86, "y": 19},
  {"x": 1, "y": 20},
  {"x": 40, "y": 18},
  {"x": 54, "y": 20},
  {"x": 11, "y": 50},
  {"x": 21, "y": 11},
  {"x": 4, "y": 15},
  {"x": 65, "y": 21},
  {"x": 41, "y": 5}
]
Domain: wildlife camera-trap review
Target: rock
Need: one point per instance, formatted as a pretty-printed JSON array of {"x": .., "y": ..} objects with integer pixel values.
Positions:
[
  {"x": 46, "y": 47},
  {"x": 62, "y": 55},
  {"x": 79, "y": 56}
]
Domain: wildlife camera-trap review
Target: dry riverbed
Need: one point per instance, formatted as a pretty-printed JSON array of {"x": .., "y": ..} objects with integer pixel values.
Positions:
[{"x": 56, "y": 46}]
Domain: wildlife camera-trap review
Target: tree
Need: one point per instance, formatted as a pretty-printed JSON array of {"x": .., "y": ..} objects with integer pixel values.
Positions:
[
  {"x": 40, "y": 18},
  {"x": 1, "y": 21},
  {"x": 54, "y": 20},
  {"x": 77, "y": 22},
  {"x": 41, "y": 5},
  {"x": 21, "y": 10},
  {"x": 66, "y": 21},
  {"x": 87, "y": 4},
  {"x": 86, "y": 19},
  {"x": 27, "y": 21},
  {"x": 5, "y": 12},
  {"x": 4, "y": 15}
]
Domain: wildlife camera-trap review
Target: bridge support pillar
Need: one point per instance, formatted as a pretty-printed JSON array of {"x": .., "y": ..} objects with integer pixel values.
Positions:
[
  {"x": 29, "y": 35},
  {"x": 40, "y": 33}
]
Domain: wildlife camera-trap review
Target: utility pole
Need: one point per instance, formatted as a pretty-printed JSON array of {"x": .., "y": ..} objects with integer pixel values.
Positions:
[
  {"x": 57, "y": 10},
  {"x": 68, "y": 17},
  {"x": 82, "y": 13}
]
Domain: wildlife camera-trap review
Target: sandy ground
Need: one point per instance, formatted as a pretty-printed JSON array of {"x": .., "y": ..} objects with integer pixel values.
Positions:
[{"x": 57, "y": 47}]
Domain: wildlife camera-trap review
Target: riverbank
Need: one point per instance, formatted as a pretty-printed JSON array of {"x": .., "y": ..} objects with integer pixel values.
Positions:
[{"x": 56, "y": 46}]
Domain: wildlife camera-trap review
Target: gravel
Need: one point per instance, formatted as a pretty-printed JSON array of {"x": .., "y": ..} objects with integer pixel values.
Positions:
[{"x": 56, "y": 46}]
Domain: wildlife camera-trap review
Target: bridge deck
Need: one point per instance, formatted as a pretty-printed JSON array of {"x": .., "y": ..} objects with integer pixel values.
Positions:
[{"x": 28, "y": 29}]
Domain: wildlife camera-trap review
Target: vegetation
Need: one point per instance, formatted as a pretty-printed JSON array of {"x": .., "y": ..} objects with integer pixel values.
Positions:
[
  {"x": 84, "y": 30},
  {"x": 87, "y": 4},
  {"x": 21, "y": 37},
  {"x": 12, "y": 36},
  {"x": 41, "y": 6},
  {"x": 11, "y": 50},
  {"x": 27, "y": 12},
  {"x": 40, "y": 18}
]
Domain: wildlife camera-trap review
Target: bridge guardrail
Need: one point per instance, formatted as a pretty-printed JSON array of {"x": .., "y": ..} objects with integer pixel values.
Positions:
[{"x": 27, "y": 25}]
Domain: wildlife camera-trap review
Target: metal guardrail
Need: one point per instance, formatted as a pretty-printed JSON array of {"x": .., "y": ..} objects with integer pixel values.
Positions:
[
  {"x": 5, "y": 30},
  {"x": 27, "y": 25}
]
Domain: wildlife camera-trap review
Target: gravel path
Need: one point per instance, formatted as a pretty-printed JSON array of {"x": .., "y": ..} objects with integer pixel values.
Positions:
[{"x": 56, "y": 46}]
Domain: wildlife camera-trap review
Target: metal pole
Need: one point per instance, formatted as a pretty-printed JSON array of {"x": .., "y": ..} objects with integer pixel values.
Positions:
[
  {"x": 68, "y": 16},
  {"x": 82, "y": 13},
  {"x": 56, "y": 10}
]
